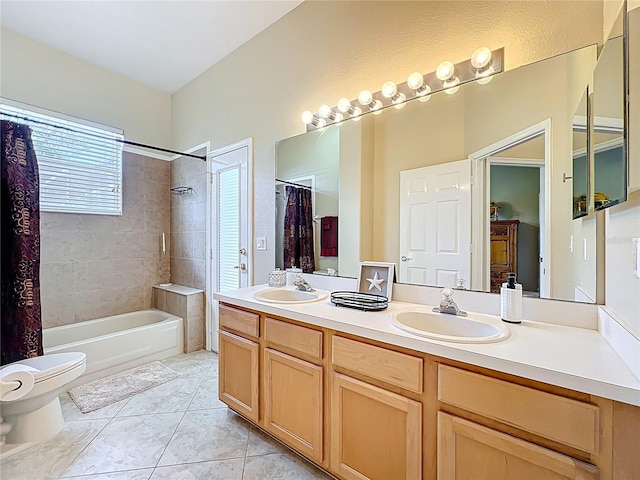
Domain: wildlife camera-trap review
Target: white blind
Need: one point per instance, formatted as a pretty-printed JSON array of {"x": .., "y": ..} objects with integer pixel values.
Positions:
[
  {"x": 229, "y": 229},
  {"x": 80, "y": 165}
]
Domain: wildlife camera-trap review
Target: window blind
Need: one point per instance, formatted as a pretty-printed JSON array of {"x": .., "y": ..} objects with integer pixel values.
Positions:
[
  {"x": 229, "y": 228},
  {"x": 80, "y": 164}
]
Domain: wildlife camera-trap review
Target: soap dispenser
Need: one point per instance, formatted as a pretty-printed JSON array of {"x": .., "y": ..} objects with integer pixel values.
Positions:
[{"x": 511, "y": 300}]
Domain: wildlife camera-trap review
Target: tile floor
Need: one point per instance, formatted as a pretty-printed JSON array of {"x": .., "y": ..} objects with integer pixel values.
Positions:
[{"x": 177, "y": 430}]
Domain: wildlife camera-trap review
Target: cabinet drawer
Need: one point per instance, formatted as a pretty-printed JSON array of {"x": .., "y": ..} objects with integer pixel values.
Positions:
[
  {"x": 239, "y": 321},
  {"x": 301, "y": 339},
  {"x": 395, "y": 368},
  {"x": 557, "y": 418}
]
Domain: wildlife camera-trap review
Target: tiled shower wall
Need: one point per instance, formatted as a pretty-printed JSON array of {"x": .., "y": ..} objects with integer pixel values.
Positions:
[
  {"x": 188, "y": 220},
  {"x": 94, "y": 266}
]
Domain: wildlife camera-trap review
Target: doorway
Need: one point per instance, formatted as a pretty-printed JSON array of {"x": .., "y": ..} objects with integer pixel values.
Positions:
[
  {"x": 527, "y": 149},
  {"x": 229, "y": 225}
]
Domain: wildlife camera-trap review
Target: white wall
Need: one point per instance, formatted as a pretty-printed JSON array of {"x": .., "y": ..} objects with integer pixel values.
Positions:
[
  {"x": 33, "y": 73},
  {"x": 322, "y": 51}
]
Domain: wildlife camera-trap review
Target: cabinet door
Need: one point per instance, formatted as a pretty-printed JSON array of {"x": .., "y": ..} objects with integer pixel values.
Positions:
[
  {"x": 293, "y": 402},
  {"x": 238, "y": 374},
  {"x": 468, "y": 450},
  {"x": 375, "y": 434}
]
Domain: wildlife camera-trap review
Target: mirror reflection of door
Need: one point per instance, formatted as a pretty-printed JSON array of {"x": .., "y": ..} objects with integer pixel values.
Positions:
[
  {"x": 435, "y": 225},
  {"x": 516, "y": 193}
]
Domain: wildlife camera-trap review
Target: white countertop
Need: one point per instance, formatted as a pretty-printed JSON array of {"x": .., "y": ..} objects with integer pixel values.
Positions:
[{"x": 575, "y": 358}]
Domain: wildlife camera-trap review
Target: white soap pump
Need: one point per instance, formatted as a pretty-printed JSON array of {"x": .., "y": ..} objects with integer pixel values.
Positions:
[{"x": 511, "y": 300}]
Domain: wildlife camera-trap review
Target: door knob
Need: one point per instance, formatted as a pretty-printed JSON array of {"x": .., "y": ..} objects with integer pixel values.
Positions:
[
  {"x": 243, "y": 251},
  {"x": 405, "y": 259},
  {"x": 242, "y": 267}
]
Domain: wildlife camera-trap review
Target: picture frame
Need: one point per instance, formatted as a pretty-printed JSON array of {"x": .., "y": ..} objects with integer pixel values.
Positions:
[{"x": 376, "y": 278}]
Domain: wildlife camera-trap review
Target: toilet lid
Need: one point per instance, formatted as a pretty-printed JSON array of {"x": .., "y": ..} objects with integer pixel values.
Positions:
[{"x": 48, "y": 366}]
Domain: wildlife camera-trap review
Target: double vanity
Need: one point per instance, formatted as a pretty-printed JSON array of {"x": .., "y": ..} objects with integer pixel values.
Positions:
[{"x": 407, "y": 393}]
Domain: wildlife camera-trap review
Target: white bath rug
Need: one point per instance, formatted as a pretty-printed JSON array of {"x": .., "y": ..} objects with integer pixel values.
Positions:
[{"x": 105, "y": 391}]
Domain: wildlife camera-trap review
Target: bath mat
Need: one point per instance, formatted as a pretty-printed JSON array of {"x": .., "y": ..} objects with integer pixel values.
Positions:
[{"x": 108, "y": 390}]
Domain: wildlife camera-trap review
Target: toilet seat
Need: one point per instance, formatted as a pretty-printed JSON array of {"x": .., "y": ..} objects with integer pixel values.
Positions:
[{"x": 50, "y": 366}]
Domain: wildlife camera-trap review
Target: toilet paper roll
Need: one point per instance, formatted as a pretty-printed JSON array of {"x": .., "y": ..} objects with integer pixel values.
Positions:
[{"x": 19, "y": 373}]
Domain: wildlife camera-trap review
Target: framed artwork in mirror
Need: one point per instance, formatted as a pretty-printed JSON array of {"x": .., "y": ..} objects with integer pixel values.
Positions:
[{"x": 376, "y": 278}]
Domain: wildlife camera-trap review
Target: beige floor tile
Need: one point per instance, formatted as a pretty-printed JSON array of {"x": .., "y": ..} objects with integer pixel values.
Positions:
[
  {"x": 207, "y": 395},
  {"x": 218, "y": 470},
  {"x": 50, "y": 458},
  {"x": 127, "y": 443},
  {"x": 262, "y": 444},
  {"x": 172, "y": 396},
  {"x": 143, "y": 474},
  {"x": 280, "y": 466},
  {"x": 205, "y": 435}
]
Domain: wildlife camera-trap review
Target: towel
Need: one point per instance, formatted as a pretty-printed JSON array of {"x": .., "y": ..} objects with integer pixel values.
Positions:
[{"x": 329, "y": 236}]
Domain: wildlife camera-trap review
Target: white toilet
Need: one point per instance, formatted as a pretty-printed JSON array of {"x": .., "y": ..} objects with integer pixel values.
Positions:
[{"x": 37, "y": 415}]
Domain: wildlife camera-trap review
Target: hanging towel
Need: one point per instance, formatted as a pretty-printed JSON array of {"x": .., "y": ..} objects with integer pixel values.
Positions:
[{"x": 329, "y": 237}]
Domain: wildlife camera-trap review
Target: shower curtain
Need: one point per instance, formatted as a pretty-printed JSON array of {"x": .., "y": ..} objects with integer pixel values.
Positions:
[
  {"x": 298, "y": 230},
  {"x": 21, "y": 323}
]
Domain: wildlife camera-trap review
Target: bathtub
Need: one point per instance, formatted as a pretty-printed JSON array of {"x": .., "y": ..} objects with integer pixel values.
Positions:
[{"x": 116, "y": 343}]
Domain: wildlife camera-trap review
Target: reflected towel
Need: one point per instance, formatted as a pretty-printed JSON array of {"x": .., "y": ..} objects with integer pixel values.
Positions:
[{"x": 329, "y": 236}]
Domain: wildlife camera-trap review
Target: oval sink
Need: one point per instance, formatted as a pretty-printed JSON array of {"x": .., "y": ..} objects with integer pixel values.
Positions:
[
  {"x": 280, "y": 295},
  {"x": 476, "y": 328}
]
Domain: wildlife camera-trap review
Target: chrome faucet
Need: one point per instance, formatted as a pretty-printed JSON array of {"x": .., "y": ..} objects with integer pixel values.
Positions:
[
  {"x": 447, "y": 305},
  {"x": 302, "y": 285}
]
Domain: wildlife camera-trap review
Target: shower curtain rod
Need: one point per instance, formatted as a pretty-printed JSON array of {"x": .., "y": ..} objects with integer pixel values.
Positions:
[
  {"x": 95, "y": 135},
  {"x": 295, "y": 184}
]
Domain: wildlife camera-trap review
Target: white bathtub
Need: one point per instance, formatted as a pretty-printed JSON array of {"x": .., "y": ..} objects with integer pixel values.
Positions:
[{"x": 116, "y": 343}]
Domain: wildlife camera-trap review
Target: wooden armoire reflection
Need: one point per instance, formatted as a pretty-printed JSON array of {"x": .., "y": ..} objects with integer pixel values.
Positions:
[{"x": 504, "y": 251}]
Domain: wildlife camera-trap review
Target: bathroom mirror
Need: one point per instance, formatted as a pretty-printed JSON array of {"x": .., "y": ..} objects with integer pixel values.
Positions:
[
  {"x": 404, "y": 189},
  {"x": 581, "y": 171},
  {"x": 609, "y": 145}
]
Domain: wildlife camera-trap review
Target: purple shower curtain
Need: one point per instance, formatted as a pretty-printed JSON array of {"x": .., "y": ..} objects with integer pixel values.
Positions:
[
  {"x": 20, "y": 236},
  {"x": 298, "y": 230}
]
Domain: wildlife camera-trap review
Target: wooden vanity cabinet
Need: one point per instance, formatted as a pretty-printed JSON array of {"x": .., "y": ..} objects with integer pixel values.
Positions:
[
  {"x": 376, "y": 434},
  {"x": 293, "y": 387},
  {"x": 365, "y": 410},
  {"x": 238, "y": 375}
]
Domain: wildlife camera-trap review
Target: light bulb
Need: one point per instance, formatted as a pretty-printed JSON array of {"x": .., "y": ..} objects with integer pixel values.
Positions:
[
  {"x": 445, "y": 71},
  {"x": 389, "y": 89},
  {"x": 324, "y": 111},
  {"x": 339, "y": 118},
  {"x": 307, "y": 117},
  {"x": 377, "y": 105},
  {"x": 357, "y": 111},
  {"x": 424, "y": 98},
  {"x": 399, "y": 100},
  {"x": 344, "y": 105},
  {"x": 365, "y": 97},
  {"x": 321, "y": 122},
  {"x": 481, "y": 58},
  {"x": 415, "y": 81},
  {"x": 451, "y": 86},
  {"x": 424, "y": 90}
]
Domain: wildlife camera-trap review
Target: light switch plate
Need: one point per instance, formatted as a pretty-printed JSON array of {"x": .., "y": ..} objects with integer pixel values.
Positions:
[
  {"x": 636, "y": 256},
  {"x": 261, "y": 243}
]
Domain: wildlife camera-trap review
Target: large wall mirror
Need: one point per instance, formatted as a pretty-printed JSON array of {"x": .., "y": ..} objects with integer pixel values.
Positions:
[
  {"x": 457, "y": 190},
  {"x": 608, "y": 134}
]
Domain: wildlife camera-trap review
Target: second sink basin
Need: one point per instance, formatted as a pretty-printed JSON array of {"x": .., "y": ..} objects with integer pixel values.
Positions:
[
  {"x": 476, "y": 328},
  {"x": 287, "y": 295}
]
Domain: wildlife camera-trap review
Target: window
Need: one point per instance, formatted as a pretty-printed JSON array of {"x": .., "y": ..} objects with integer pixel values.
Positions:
[{"x": 80, "y": 162}]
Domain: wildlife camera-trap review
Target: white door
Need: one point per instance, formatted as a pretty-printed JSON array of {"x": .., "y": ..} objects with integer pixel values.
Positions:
[
  {"x": 435, "y": 224},
  {"x": 229, "y": 264}
]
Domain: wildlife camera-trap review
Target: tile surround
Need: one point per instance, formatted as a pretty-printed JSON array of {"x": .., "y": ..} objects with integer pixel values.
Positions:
[
  {"x": 187, "y": 303},
  {"x": 100, "y": 265},
  {"x": 135, "y": 440},
  {"x": 188, "y": 222}
]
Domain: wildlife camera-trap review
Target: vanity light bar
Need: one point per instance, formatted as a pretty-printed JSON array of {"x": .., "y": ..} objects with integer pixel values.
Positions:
[{"x": 483, "y": 64}]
